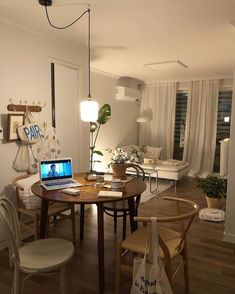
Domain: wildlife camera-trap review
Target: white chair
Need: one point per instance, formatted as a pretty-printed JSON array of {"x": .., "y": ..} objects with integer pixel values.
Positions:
[{"x": 40, "y": 257}]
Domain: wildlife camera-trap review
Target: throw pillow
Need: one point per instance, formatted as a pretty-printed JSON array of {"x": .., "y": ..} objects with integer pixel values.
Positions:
[
  {"x": 153, "y": 152},
  {"x": 29, "y": 200}
]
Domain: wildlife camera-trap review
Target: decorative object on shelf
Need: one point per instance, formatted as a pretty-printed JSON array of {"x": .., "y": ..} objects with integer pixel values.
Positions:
[
  {"x": 104, "y": 116},
  {"x": 215, "y": 187},
  {"x": 89, "y": 108},
  {"x": 14, "y": 121}
]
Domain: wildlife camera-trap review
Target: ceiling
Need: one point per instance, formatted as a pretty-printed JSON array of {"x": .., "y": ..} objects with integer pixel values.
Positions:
[{"x": 127, "y": 34}]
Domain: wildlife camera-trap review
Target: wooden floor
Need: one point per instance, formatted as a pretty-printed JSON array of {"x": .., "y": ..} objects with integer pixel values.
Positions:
[{"x": 211, "y": 261}]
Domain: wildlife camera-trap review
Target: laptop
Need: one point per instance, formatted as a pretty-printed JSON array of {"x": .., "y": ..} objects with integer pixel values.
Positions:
[{"x": 57, "y": 174}]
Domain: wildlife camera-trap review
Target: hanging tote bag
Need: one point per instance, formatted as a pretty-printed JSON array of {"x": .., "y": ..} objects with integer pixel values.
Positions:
[
  {"x": 31, "y": 132},
  {"x": 149, "y": 276}
]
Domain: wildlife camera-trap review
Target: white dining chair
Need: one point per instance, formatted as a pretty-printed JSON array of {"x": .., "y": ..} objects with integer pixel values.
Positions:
[{"x": 39, "y": 257}]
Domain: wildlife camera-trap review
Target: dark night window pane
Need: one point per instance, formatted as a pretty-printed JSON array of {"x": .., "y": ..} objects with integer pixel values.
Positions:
[
  {"x": 223, "y": 123},
  {"x": 180, "y": 120}
]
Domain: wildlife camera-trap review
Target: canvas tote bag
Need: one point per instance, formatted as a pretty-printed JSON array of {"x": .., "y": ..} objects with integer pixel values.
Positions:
[
  {"x": 149, "y": 276},
  {"x": 31, "y": 132}
]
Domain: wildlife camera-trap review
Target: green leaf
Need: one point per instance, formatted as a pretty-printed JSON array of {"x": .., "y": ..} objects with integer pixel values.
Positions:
[
  {"x": 92, "y": 148},
  {"x": 93, "y": 127},
  {"x": 96, "y": 161},
  {"x": 98, "y": 152},
  {"x": 104, "y": 114}
]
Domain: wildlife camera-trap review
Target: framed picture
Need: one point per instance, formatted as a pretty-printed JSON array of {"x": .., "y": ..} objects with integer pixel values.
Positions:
[{"x": 14, "y": 121}]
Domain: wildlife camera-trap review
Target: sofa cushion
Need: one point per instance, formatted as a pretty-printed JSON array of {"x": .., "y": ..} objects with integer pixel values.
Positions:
[{"x": 153, "y": 152}]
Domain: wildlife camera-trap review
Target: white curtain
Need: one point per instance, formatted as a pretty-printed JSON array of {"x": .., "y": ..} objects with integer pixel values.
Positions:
[
  {"x": 201, "y": 126},
  {"x": 158, "y": 104}
]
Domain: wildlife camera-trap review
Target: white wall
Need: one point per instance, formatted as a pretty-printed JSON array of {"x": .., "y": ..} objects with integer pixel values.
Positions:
[
  {"x": 229, "y": 234},
  {"x": 121, "y": 129},
  {"x": 25, "y": 75}
]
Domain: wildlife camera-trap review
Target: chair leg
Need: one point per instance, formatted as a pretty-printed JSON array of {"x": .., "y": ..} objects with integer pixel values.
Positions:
[
  {"x": 82, "y": 208},
  {"x": 73, "y": 224},
  {"x": 115, "y": 221},
  {"x": 124, "y": 226},
  {"x": 62, "y": 280},
  {"x": 168, "y": 271},
  {"x": 186, "y": 270},
  {"x": 16, "y": 283},
  {"x": 118, "y": 267},
  {"x": 36, "y": 226}
]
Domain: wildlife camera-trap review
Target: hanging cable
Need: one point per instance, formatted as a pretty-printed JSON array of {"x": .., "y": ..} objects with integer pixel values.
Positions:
[{"x": 67, "y": 26}]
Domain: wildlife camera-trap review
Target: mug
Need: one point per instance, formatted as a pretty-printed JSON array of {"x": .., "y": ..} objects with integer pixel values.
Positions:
[{"x": 116, "y": 184}]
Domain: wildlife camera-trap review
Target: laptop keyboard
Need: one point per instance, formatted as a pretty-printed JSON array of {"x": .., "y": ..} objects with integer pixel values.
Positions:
[{"x": 51, "y": 184}]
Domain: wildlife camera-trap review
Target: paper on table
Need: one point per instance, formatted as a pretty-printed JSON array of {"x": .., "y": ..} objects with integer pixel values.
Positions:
[{"x": 109, "y": 194}]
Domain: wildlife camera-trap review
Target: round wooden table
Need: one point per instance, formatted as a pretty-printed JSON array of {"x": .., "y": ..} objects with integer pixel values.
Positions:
[{"x": 89, "y": 195}]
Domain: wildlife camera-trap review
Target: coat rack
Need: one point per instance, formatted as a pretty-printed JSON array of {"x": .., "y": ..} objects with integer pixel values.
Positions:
[{"x": 23, "y": 108}]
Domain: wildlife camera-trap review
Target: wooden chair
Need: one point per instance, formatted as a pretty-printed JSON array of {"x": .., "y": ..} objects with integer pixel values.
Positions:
[
  {"x": 121, "y": 208},
  {"x": 45, "y": 256},
  {"x": 55, "y": 213},
  {"x": 172, "y": 242}
]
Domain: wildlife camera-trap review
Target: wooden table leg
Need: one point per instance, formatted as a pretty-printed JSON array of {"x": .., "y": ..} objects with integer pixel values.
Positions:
[
  {"x": 43, "y": 218},
  {"x": 134, "y": 225},
  {"x": 82, "y": 208},
  {"x": 100, "y": 221}
]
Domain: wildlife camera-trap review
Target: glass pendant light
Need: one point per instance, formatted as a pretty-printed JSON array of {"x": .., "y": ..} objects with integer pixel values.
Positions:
[{"x": 89, "y": 108}]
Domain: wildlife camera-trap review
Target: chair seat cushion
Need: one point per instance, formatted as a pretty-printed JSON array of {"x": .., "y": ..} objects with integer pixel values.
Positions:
[
  {"x": 172, "y": 168},
  {"x": 137, "y": 241},
  {"x": 45, "y": 254}
]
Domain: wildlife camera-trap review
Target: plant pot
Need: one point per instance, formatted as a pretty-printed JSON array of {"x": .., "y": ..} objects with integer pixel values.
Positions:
[
  {"x": 212, "y": 202},
  {"x": 119, "y": 170}
]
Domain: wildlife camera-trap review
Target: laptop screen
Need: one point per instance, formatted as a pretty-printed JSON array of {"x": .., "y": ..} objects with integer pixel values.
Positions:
[{"x": 56, "y": 169}]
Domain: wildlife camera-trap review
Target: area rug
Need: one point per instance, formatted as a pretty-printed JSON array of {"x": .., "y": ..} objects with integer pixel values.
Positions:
[{"x": 163, "y": 185}]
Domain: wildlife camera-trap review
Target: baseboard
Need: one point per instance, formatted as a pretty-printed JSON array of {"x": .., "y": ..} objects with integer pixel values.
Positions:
[{"x": 229, "y": 238}]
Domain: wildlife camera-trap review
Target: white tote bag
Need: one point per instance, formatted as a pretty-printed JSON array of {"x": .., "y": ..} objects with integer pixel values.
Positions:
[
  {"x": 149, "y": 276},
  {"x": 31, "y": 131}
]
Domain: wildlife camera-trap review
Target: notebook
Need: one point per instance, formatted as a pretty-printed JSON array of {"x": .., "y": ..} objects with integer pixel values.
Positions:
[{"x": 57, "y": 174}]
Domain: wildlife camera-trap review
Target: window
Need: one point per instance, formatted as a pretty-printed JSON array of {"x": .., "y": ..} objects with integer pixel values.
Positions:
[
  {"x": 180, "y": 120},
  {"x": 223, "y": 123}
]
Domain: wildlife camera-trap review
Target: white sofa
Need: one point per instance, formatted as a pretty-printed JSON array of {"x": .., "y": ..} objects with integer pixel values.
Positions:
[{"x": 164, "y": 169}]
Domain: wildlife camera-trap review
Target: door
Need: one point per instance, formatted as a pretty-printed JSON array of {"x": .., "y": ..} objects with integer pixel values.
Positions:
[{"x": 66, "y": 110}]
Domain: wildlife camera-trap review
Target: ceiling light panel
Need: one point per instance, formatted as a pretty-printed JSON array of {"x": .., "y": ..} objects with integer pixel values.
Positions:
[{"x": 166, "y": 65}]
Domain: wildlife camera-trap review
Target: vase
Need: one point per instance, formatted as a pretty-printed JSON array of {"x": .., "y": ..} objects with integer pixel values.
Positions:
[
  {"x": 212, "y": 202},
  {"x": 119, "y": 170}
]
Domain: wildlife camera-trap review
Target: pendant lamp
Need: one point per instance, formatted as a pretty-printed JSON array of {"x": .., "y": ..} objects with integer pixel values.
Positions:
[{"x": 89, "y": 108}]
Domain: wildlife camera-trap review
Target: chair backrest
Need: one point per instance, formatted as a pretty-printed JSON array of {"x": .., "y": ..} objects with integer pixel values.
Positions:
[
  {"x": 9, "y": 219},
  {"x": 182, "y": 218},
  {"x": 138, "y": 170}
]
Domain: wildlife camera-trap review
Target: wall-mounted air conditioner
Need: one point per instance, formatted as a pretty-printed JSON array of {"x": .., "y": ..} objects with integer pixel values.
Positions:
[{"x": 127, "y": 94}]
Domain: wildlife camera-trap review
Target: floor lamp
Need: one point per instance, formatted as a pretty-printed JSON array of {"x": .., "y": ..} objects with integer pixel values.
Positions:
[{"x": 142, "y": 120}]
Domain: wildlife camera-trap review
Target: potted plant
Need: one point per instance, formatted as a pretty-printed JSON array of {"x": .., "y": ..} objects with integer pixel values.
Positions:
[
  {"x": 215, "y": 187},
  {"x": 103, "y": 116},
  {"x": 121, "y": 160}
]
